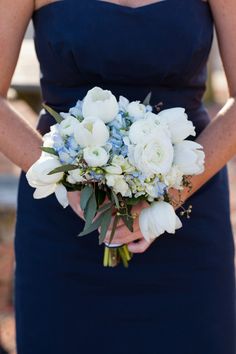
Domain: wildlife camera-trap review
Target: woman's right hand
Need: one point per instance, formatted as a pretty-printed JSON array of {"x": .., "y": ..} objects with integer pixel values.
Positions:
[{"x": 74, "y": 201}]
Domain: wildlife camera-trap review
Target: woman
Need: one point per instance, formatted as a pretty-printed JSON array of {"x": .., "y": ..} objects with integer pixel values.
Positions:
[{"x": 178, "y": 295}]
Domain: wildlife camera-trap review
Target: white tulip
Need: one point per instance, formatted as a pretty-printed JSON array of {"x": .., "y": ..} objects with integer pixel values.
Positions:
[
  {"x": 136, "y": 110},
  {"x": 44, "y": 183},
  {"x": 92, "y": 131},
  {"x": 152, "y": 157},
  {"x": 178, "y": 123},
  {"x": 100, "y": 103},
  {"x": 189, "y": 157},
  {"x": 95, "y": 156},
  {"x": 123, "y": 103},
  {"x": 118, "y": 184},
  {"x": 160, "y": 217},
  {"x": 68, "y": 126}
]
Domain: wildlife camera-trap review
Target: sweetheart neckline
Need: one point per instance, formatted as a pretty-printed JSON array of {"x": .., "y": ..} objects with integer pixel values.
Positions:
[
  {"x": 104, "y": 2},
  {"x": 111, "y": 4}
]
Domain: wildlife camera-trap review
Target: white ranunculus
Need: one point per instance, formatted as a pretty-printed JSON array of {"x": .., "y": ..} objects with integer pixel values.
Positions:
[
  {"x": 92, "y": 131},
  {"x": 75, "y": 176},
  {"x": 189, "y": 157},
  {"x": 68, "y": 126},
  {"x": 174, "y": 178},
  {"x": 100, "y": 103},
  {"x": 160, "y": 217},
  {"x": 95, "y": 156},
  {"x": 141, "y": 130},
  {"x": 118, "y": 184},
  {"x": 45, "y": 184},
  {"x": 154, "y": 156},
  {"x": 136, "y": 110},
  {"x": 178, "y": 123}
]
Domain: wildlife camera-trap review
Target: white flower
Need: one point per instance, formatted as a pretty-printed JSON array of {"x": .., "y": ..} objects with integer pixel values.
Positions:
[
  {"x": 92, "y": 132},
  {"x": 100, "y": 103},
  {"x": 95, "y": 156},
  {"x": 113, "y": 170},
  {"x": 178, "y": 123},
  {"x": 140, "y": 130},
  {"x": 69, "y": 126},
  {"x": 174, "y": 178},
  {"x": 160, "y": 217},
  {"x": 123, "y": 103},
  {"x": 75, "y": 176},
  {"x": 119, "y": 185},
  {"x": 154, "y": 156},
  {"x": 189, "y": 157},
  {"x": 123, "y": 163},
  {"x": 136, "y": 110},
  {"x": 44, "y": 183},
  {"x": 146, "y": 129}
]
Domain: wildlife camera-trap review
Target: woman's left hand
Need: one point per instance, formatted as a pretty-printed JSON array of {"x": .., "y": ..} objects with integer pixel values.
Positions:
[{"x": 135, "y": 241}]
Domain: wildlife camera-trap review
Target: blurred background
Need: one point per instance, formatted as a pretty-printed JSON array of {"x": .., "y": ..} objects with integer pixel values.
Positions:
[{"x": 24, "y": 95}]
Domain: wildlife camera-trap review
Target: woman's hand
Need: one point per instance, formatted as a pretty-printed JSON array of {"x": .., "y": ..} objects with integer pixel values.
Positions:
[
  {"x": 74, "y": 201},
  {"x": 135, "y": 240}
]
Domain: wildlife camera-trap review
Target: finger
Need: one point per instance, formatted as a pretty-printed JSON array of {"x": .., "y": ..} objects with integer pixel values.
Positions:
[
  {"x": 139, "y": 247},
  {"x": 120, "y": 223},
  {"x": 123, "y": 235}
]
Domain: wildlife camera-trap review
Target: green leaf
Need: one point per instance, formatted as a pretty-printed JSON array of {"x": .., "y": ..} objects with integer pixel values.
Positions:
[
  {"x": 134, "y": 201},
  {"x": 85, "y": 194},
  {"x": 92, "y": 227},
  {"x": 53, "y": 113},
  {"x": 114, "y": 226},
  {"x": 115, "y": 200},
  {"x": 63, "y": 168},
  {"x": 95, "y": 225},
  {"x": 127, "y": 217},
  {"x": 49, "y": 150},
  {"x": 106, "y": 220},
  {"x": 90, "y": 209},
  {"x": 101, "y": 196},
  {"x": 147, "y": 99},
  {"x": 105, "y": 207}
]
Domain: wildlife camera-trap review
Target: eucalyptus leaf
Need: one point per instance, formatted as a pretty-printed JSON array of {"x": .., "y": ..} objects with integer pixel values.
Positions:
[
  {"x": 49, "y": 150},
  {"x": 114, "y": 226},
  {"x": 63, "y": 168},
  {"x": 127, "y": 218},
  {"x": 105, "y": 207},
  {"x": 85, "y": 194},
  {"x": 115, "y": 200},
  {"x": 90, "y": 209},
  {"x": 53, "y": 113},
  {"x": 101, "y": 196},
  {"x": 134, "y": 201},
  {"x": 147, "y": 99},
  {"x": 106, "y": 220},
  {"x": 92, "y": 227}
]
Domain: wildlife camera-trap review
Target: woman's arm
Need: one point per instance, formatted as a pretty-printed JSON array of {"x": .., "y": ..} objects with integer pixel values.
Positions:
[
  {"x": 18, "y": 141},
  {"x": 219, "y": 137}
]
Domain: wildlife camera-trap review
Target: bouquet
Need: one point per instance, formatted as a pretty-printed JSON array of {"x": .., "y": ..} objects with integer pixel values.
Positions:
[{"x": 118, "y": 153}]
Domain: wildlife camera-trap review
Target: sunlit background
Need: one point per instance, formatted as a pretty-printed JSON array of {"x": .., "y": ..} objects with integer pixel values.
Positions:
[{"x": 25, "y": 97}]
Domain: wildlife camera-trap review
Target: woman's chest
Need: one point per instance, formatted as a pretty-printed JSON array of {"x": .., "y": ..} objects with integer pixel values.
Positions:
[{"x": 164, "y": 40}]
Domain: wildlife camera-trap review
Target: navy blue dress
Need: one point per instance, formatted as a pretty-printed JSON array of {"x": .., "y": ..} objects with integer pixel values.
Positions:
[{"x": 179, "y": 296}]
